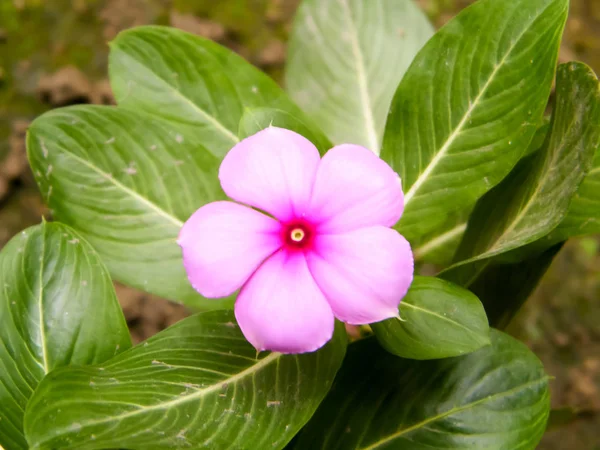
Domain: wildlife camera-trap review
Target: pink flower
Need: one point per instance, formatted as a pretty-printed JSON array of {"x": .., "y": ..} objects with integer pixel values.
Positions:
[{"x": 317, "y": 246}]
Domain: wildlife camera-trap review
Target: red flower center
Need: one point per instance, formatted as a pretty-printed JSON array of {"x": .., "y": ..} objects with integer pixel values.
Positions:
[{"x": 297, "y": 235}]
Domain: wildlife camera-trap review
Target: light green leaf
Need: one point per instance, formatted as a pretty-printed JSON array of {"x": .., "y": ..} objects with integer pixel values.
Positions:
[
  {"x": 495, "y": 398},
  {"x": 439, "y": 246},
  {"x": 198, "y": 384},
  {"x": 469, "y": 105},
  {"x": 345, "y": 60},
  {"x": 534, "y": 199},
  {"x": 127, "y": 182},
  {"x": 437, "y": 320},
  {"x": 255, "y": 120},
  {"x": 539, "y": 137},
  {"x": 128, "y": 177},
  {"x": 583, "y": 216},
  {"x": 190, "y": 81},
  {"x": 57, "y": 307}
]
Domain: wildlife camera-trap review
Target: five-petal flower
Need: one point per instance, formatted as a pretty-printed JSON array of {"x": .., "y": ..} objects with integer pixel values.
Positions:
[{"x": 316, "y": 246}]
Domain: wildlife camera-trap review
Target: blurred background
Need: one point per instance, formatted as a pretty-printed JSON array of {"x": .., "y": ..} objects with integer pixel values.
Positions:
[{"x": 54, "y": 53}]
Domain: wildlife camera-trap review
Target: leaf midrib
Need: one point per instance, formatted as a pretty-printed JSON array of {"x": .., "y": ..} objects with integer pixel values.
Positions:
[
  {"x": 361, "y": 76},
  {"x": 427, "y": 311},
  {"x": 546, "y": 171},
  {"x": 171, "y": 89},
  {"x": 453, "y": 411},
  {"x": 444, "y": 149},
  {"x": 174, "y": 220},
  {"x": 40, "y": 299},
  {"x": 217, "y": 387},
  {"x": 439, "y": 240}
]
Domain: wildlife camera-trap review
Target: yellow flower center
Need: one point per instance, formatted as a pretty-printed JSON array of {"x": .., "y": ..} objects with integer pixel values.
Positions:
[{"x": 297, "y": 234}]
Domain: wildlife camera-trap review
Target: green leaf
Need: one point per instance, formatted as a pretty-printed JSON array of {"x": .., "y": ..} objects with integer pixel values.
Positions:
[
  {"x": 583, "y": 216},
  {"x": 190, "y": 81},
  {"x": 198, "y": 384},
  {"x": 255, "y": 120},
  {"x": 534, "y": 199},
  {"x": 469, "y": 106},
  {"x": 437, "y": 320},
  {"x": 57, "y": 307},
  {"x": 126, "y": 182},
  {"x": 539, "y": 137},
  {"x": 345, "y": 60},
  {"x": 128, "y": 177},
  {"x": 504, "y": 287},
  {"x": 438, "y": 247},
  {"x": 495, "y": 398}
]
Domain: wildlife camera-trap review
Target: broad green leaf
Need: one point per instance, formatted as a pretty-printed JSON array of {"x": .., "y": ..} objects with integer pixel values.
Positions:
[
  {"x": 127, "y": 182},
  {"x": 469, "y": 105},
  {"x": 535, "y": 197},
  {"x": 495, "y": 398},
  {"x": 538, "y": 138},
  {"x": 439, "y": 246},
  {"x": 437, "y": 320},
  {"x": 255, "y": 120},
  {"x": 345, "y": 60},
  {"x": 504, "y": 287},
  {"x": 198, "y": 384},
  {"x": 189, "y": 80},
  {"x": 57, "y": 307},
  {"x": 128, "y": 177},
  {"x": 583, "y": 216}
]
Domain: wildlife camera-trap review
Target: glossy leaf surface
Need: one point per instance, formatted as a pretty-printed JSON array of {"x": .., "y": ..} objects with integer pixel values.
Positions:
[
  {"x": 57, "y": 307},
  {"x": 190, "y": 81},
  {"x": 437, "y": 320},
  {"x": 128, "y": 177},
  {"x": 583, "y": 216},
  {"x": 469, "y": 105},
  {"x": 495, "y": 398},
  {"x": 198, "y": 384},
  {"x": 439, "y": 246},
  {"x": 127, "y": 182},
  {"x": 535, "y": 198}
]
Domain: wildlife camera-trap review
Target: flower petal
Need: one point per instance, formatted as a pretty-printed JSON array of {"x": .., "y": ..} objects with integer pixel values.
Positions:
[
  {"x": 354, "y": 189},
  {"x": 364, "y": 273},
  {"x": 272, "y": 170},
  {"x": 223, "y": 243},
  {"x": 282, "y": 309}
]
